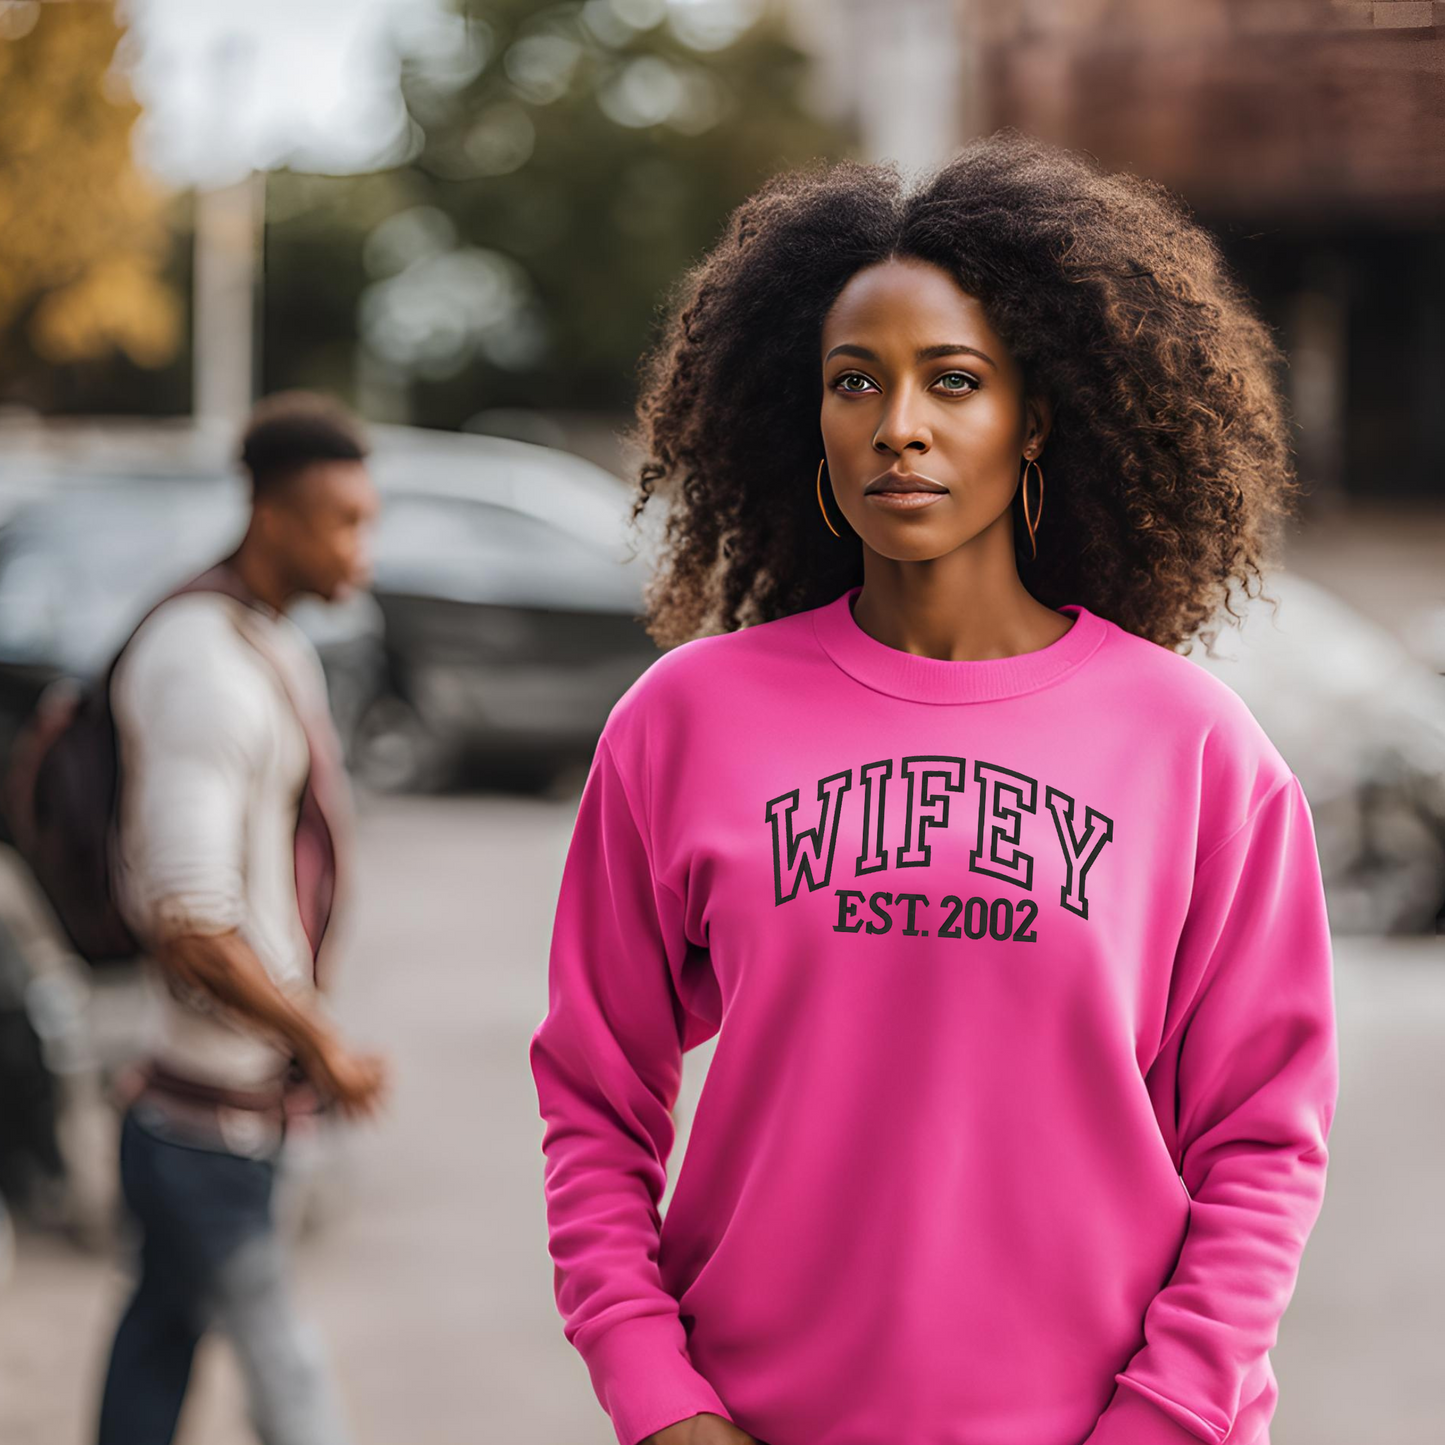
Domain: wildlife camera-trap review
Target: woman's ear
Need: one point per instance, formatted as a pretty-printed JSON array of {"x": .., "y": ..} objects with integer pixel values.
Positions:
[{"x": 1039, "y": 417}]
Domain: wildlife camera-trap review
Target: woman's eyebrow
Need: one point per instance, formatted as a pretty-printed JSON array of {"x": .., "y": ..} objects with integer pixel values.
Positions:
[{"x": 926, "y": 353}]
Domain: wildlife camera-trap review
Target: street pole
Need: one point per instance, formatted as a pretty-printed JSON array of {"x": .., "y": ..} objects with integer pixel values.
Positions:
[
  {"x": 227, "y": 242},
  {"x": 230, "y": 212}
]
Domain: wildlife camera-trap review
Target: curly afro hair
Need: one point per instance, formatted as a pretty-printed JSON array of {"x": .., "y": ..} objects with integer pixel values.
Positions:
[{"x": 1169, "y": 458}]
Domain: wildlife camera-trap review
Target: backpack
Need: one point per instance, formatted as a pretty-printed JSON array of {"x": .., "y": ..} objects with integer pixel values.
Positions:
[{"x": 62, "y": 795}]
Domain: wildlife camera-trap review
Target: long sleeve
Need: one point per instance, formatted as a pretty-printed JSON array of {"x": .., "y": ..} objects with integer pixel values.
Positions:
[
  {"x": 607, "y": 1063},
  {"x": 192, "y": 736},
  {"x": 1253, "y": 1042}
]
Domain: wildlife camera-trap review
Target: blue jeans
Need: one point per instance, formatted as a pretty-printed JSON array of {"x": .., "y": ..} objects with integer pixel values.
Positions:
[{"x": 210, "y": 1253}]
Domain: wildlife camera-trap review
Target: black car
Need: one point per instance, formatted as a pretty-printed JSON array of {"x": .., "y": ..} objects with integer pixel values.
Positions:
[{"x": 505, "y": 641}]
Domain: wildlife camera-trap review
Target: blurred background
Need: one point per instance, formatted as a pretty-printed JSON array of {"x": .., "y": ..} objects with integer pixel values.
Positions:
[{"x": 460, "y": 216}]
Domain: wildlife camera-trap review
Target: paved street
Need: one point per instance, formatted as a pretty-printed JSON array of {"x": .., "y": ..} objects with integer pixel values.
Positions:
[{"x": 431, "y": 1282}]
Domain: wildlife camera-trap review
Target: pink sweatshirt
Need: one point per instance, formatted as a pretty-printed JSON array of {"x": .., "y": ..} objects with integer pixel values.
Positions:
[{"x": 1026, "y": 1060}]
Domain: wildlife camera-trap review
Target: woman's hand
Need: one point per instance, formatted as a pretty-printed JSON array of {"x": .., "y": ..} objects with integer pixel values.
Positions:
[{"x": 704, "y": 1429}]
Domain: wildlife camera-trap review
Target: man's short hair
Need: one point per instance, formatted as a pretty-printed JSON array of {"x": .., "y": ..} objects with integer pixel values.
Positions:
[{"x": 292, "y": 429}]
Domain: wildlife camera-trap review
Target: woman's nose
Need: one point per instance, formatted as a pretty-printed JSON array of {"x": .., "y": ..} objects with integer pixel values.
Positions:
[{"x": 902, "y": 427}]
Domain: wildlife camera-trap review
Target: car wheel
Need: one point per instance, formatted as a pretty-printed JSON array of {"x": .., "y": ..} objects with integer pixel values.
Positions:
[{"x": 392, "y": 750}]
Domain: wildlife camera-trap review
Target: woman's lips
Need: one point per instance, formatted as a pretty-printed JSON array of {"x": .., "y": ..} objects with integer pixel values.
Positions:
[{"x": 905, "y": 501}]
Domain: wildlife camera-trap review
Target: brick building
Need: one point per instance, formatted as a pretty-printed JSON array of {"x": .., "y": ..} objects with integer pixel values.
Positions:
[{"x": 1309, "y": 134}]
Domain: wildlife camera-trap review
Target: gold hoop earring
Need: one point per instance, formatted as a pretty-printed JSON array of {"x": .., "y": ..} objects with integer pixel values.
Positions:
[
  {"x": 1033, "y": 522},
  {"x": 821, "y": 507}
]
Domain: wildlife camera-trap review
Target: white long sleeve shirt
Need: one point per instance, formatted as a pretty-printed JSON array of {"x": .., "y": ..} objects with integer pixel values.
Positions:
[{"x": 213, "y": 762}]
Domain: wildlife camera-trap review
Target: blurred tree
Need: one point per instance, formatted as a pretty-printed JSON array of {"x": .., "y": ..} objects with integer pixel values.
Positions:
[
  {"x": 567, "y": 161},
  {"x": 84, "y": 236}
]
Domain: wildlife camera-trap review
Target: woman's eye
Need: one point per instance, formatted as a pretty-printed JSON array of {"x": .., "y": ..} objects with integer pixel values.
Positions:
[
  {"x": 957, "y": 377},
  {"x": 960, "y": 383}
]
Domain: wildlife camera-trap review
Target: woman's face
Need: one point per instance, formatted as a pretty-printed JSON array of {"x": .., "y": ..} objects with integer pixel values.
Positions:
[{"x": 915, "y": 378}]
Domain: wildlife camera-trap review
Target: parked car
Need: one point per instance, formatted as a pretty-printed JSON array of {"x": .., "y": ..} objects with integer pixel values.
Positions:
[
  {"x": 502, "y": 625},
  {"x": 504, "y": 640},
  {"x": 511, "y": 582},
  {"x": 1362, "y": 724}
]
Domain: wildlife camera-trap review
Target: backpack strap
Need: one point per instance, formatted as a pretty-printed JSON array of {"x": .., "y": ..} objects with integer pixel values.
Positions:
[
  {"x": 323, "y": 814},
  {"x": 323, "y": 819}
]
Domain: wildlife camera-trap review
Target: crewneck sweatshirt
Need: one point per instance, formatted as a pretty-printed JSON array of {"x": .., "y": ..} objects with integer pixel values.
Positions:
[{"x": 1020, "y": 977}]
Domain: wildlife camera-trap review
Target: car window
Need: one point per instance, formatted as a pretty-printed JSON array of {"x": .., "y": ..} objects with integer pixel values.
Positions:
[
  {"x": 79, "y": 566},
  {"x": 452, "y": 543},
  {"x": 78, "y": 569}
]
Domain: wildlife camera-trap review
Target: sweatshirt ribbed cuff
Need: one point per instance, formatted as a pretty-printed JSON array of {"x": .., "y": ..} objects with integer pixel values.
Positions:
[
  {"x": 1133, "y": 1419},
  {"x": 644, "y": 1379}
]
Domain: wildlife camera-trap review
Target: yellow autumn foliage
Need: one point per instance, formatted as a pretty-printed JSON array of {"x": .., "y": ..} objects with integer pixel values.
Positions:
[{"x": 83, "y": 233}]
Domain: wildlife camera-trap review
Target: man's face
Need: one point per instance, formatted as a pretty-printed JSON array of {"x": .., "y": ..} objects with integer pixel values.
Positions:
[{"x": 320, "y": 524}]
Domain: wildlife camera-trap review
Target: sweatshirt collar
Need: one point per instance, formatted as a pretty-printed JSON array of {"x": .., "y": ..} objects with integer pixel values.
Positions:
[{"x": 931, "y": 679}]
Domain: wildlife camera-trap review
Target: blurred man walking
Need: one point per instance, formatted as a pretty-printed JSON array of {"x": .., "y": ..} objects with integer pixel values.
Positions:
[{"x": 232, "y": 833}]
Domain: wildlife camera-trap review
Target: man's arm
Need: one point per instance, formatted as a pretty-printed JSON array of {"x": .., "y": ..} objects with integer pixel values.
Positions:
[
  {"x": 193, "y": 731},
  {"x": 225, "y": 966}
]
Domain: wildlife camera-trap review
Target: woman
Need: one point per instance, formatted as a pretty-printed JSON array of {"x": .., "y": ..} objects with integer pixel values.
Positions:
[{"x": 1008, "y": 918}]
